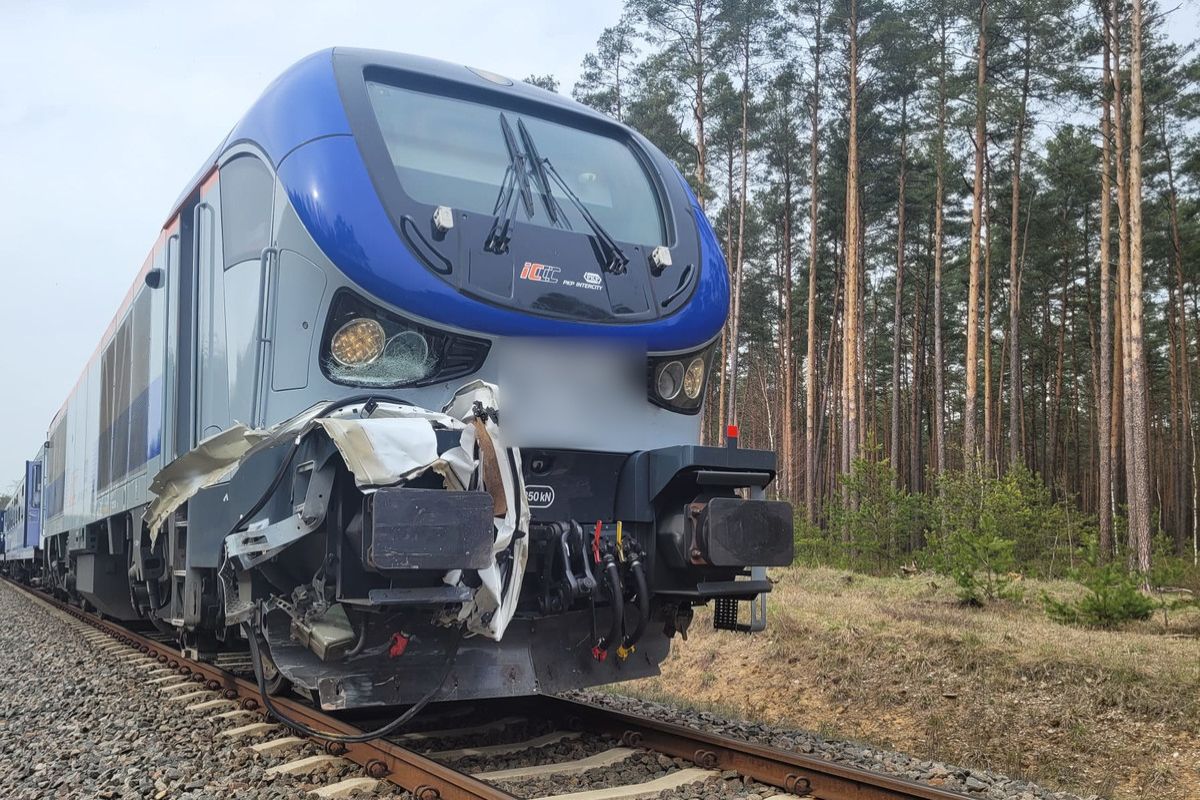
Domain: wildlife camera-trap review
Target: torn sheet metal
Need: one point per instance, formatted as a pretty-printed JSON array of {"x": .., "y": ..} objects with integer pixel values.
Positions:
[
  {"x": 394, "y": 444},
  {"x": 494, "y": 603},
  {"x": 259, "y": 543},
  {"x": 383, "y": 451},
  {"x": 211, "y": 461}
]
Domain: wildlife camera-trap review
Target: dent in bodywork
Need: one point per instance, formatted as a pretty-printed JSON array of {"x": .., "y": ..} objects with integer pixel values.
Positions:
[
  {"x": 382, "y": 444},
  {"x": 211, "y": 461}
]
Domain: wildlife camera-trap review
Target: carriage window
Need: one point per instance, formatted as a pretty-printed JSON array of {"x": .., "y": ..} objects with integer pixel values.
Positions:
[
  {"x": 246, "y": 194},
  {"x": 454, "y": 152}
]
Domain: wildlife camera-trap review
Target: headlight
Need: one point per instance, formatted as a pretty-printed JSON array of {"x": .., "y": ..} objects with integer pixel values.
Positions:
[
  {"x": 365, "y": 345},
  {"x": 670, "y": 380},
  {"x": 676, "y": 387},
  {"x": 358, "y": 342},
  {"x": 407, "y": 346},
  {"x": 693, "y": 379}
]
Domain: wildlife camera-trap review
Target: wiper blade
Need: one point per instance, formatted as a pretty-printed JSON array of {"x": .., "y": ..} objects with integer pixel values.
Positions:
[
  {"x": 553, "y": 209},
  {"x": 516, "y": 182},
  {"x": 614, "y": 260},
  {"x": 517, "y": 160},
  {"x": 498, "y": 237}
]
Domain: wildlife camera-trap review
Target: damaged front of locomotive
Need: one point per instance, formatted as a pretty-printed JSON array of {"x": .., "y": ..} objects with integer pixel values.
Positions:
[{"x": 496, "y": 486}]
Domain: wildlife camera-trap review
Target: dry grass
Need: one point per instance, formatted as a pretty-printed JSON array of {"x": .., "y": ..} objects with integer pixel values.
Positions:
[{"x": 899, "y": 663}]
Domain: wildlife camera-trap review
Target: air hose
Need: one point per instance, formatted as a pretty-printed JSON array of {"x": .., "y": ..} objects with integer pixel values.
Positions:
[
  {"x": 362, "y": 640},
  {"x": 366, "y": 736},
  {"x": 613, "y": 573},
  {"x": 643, "y": 603}
]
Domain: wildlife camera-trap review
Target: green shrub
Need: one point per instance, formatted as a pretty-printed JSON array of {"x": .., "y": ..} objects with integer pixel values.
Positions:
[
  {"x": 873, "y": 525},
  {"x": 813, "y": 546},
  {"x": 973, "y": 540},
  {"x": 979, "y": 529},
  {"x": 1113, "y": 597}
]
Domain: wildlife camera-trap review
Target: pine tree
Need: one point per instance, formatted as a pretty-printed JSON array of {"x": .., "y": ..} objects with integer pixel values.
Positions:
[{"x": 605, "y": 74}]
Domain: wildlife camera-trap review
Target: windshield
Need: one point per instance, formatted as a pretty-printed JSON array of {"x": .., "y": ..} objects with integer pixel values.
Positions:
[{"x": 454, "y": 153}]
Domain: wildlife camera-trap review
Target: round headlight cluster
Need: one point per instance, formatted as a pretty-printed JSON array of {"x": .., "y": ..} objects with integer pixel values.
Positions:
[
  {"x": 670, "y": 380},
  {"x": 680, "y": 387},
  {"x": 693, "y": 379},
  {"x": 407, "y": 347},
  {"x": 358, "y": 342}
]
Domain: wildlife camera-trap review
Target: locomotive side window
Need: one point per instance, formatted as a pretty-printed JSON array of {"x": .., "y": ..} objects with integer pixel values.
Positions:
[
  {"x": 124, "y": 397},
  {"x": 453, "y": 152},
  {"x": 139, "y": 380},
  {"x": 56, "y": 467},
  {"x": 246, "y": 194}
]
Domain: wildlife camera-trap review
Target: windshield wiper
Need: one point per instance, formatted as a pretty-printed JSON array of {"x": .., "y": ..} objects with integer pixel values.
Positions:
[
  {"x": 516, "y": 181},
  {"x": 553, "y": 209},
  {"x": 614, "y": 260}
]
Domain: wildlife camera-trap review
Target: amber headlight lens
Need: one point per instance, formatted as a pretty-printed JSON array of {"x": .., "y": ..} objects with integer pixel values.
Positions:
[
  {"x": 358, "y": 342},
  {"x": 693, "y": 379}
]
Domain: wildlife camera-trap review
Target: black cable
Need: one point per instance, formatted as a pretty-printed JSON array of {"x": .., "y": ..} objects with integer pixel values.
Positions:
[
  {"x": 358, "y": 738},
  {"x": 613, "y": 573},
  {"x": 362, "y": 640},
  {"x": 643, "y": 603},
  {"x": 281, "y": 473}
]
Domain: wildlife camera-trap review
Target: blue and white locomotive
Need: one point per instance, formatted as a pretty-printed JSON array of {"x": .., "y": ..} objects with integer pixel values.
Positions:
[{"x": 407, "y": 392}]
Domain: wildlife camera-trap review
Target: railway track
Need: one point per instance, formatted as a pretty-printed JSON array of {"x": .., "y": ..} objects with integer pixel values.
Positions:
[{"x": 449, "y": 763}]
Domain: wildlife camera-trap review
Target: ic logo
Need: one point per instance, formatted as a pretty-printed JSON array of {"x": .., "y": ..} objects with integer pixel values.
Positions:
[
  {"x": 540, "y": 273},
  {"x": 592, "y": 277}
]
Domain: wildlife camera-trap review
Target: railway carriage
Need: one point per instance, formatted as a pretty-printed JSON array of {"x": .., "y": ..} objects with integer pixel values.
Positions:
[
  {"x": 406, "y": 395},
  {"x": 21, "y": 524}
]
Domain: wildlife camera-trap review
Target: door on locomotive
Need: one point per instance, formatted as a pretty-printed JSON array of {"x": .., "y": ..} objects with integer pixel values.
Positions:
[{"x": 221, "y": 269}]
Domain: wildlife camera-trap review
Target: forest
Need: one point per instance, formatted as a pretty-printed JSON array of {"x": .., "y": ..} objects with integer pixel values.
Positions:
[{"x": 962, "y": 241}]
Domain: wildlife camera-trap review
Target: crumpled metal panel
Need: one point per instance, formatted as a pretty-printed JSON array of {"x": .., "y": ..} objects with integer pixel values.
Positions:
[
  {"x": 394, "y": 444},
  {"x": 209, "y": 462}
]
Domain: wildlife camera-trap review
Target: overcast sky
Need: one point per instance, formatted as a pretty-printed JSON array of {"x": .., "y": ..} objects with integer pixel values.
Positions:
[{"x": 109, "y": 108}]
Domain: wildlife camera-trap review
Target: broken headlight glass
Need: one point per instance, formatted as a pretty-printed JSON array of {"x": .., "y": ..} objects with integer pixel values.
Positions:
[{"x": 391, "y": 351}]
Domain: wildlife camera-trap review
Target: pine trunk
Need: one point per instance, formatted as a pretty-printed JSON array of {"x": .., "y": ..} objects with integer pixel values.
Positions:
[
  {"x": 1136, "y": 404},
  {"x": 810, "y": 356},
  {"x": 970, "y": 439},
  {"x": 731, "y": 411},
  {"x": 939, "y": 370},
  {"x": 1014, "y": 278},
  {"x": 852, "y": 315},
  {"x": 894, "y": 452},
  {"x": 1104, "y": 398}
]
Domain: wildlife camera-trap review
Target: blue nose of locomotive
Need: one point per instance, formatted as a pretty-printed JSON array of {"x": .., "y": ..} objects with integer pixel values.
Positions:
[{"x": 397, "y": 167}]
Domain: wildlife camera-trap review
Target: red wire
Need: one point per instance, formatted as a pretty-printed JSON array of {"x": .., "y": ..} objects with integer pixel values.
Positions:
[{"x": 596, "y": 541}]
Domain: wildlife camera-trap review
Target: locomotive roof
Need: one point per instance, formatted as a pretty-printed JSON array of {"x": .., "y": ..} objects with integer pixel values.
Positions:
[{"x": 303, "y": 103}]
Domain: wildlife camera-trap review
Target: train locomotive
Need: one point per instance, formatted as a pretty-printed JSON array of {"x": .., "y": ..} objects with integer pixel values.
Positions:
[{"x": 405, "y": 401}]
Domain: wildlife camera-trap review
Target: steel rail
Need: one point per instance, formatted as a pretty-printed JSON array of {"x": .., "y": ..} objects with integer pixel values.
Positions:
[
  {"x": 794, "y": 773},
  {"x": 381, "y": 759}
]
